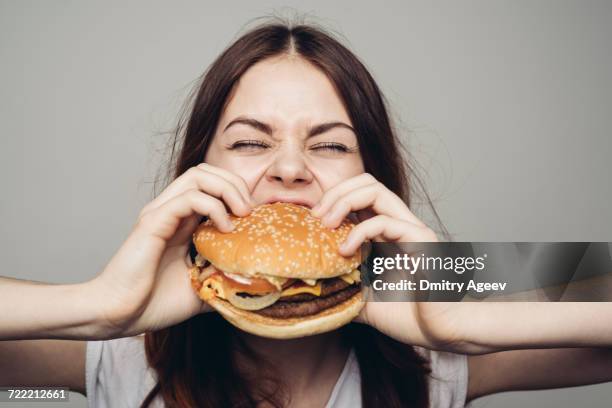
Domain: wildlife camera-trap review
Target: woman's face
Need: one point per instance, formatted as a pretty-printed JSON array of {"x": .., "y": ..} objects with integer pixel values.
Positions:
[{"x": 286, "y": 133}]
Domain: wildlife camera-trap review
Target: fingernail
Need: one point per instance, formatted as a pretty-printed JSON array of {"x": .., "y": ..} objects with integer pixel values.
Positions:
[
  {"x": 229, "y": 224},
  {"x": 315, "y": 210}
]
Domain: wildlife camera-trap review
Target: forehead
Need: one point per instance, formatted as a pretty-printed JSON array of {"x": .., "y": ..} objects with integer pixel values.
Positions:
[{"x": 285, "y": 89}]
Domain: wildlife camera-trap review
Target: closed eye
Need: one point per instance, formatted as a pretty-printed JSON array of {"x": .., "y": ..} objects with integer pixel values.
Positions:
[
  {"x": 248, "y": 145},
  {"x": 333, "y": 147}
]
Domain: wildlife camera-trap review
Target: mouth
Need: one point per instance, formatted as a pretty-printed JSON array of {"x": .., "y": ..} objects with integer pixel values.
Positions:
[{"x": 294, "y": 200}]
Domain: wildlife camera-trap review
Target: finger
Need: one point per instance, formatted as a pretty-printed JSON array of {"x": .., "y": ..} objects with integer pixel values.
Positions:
[
  {"x": 235, "y": 179},
  {"x": 354, "y": 200},
  {"x": 332, "y": 195},
  {"x": 209, "y": 183},
  {"x": 164, "y": 221},
  {"x": 375, "y": 197},
  {"x": 384, "y": 228}
]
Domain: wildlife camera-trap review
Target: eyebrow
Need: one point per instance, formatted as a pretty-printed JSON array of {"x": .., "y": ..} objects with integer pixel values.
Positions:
[{"x": 267, "y": 129}]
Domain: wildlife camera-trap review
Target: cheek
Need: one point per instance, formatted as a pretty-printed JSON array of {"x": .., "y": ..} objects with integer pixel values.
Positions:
[{"x": 331, "y": 172}]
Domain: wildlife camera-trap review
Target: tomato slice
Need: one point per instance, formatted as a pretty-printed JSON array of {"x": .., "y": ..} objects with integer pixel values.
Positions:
[{"x": 257, "y": 286}]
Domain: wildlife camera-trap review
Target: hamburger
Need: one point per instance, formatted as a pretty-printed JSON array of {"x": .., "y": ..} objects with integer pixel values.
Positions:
[{"x": 278, "y": 273}]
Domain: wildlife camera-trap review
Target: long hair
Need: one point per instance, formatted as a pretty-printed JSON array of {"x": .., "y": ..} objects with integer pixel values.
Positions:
[{"x": 196, "y": 360}]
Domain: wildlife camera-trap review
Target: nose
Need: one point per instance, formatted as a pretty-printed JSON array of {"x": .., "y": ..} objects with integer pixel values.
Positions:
[{"x": 290, "y": 170}]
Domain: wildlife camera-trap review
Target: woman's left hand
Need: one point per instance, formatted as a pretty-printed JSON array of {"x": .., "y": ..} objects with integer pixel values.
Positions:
[{"x": 384, "y": 217}]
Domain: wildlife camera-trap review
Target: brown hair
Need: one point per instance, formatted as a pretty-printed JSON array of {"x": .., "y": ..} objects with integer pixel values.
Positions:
[{"x": 195, "y": 361}]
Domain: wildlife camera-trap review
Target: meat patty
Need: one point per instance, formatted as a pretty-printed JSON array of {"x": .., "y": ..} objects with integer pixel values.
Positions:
[
  {"x": 328, "y": 287},
  {"x": 283, "y": 309}
]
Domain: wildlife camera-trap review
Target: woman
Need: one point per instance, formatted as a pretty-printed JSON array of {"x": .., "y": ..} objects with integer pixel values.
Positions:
[{"x": 284, "y": 114}]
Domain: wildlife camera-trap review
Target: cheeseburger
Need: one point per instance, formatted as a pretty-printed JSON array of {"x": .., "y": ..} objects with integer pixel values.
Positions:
[{"x": 278, "y": 273}]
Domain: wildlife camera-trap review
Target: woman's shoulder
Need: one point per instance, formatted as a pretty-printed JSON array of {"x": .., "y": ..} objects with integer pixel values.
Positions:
[
  {"x": 448, "y": 380},
  {"x": 117, "y": 373}
]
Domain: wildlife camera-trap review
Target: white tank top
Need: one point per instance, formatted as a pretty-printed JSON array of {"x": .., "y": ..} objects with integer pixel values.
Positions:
[{"x": 117, "y": 375}]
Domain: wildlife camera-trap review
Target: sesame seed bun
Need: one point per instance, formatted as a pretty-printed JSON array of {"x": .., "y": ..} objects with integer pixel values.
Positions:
[
  {"x": 280, "y": 239},
  {"x": 324, "y": 321}
]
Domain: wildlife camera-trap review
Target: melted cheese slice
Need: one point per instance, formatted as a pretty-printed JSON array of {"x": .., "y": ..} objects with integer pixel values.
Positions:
[{"x": 313, "y": 290}]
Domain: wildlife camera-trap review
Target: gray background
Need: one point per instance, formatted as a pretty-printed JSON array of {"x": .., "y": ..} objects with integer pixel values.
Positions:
[{"x": 506, "y": 106}]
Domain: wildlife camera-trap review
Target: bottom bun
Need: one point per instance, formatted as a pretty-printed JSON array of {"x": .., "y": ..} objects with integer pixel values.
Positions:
[{"x": 324, "y": 321}]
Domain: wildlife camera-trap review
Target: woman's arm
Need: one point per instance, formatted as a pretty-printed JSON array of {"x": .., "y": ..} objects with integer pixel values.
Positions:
[
  {"x": 481, "y": 328},
  {"x": 478, "y": 328},
  {"x": 33, "y": 310},
  {"x": 537, "y": 369}
]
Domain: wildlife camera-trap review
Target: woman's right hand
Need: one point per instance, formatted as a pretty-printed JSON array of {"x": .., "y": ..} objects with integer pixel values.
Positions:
[{"x": 146, "y": 285}]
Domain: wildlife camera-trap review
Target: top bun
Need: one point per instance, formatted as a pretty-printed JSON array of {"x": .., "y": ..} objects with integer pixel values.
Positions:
[{"x": 280, "y": 239}]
